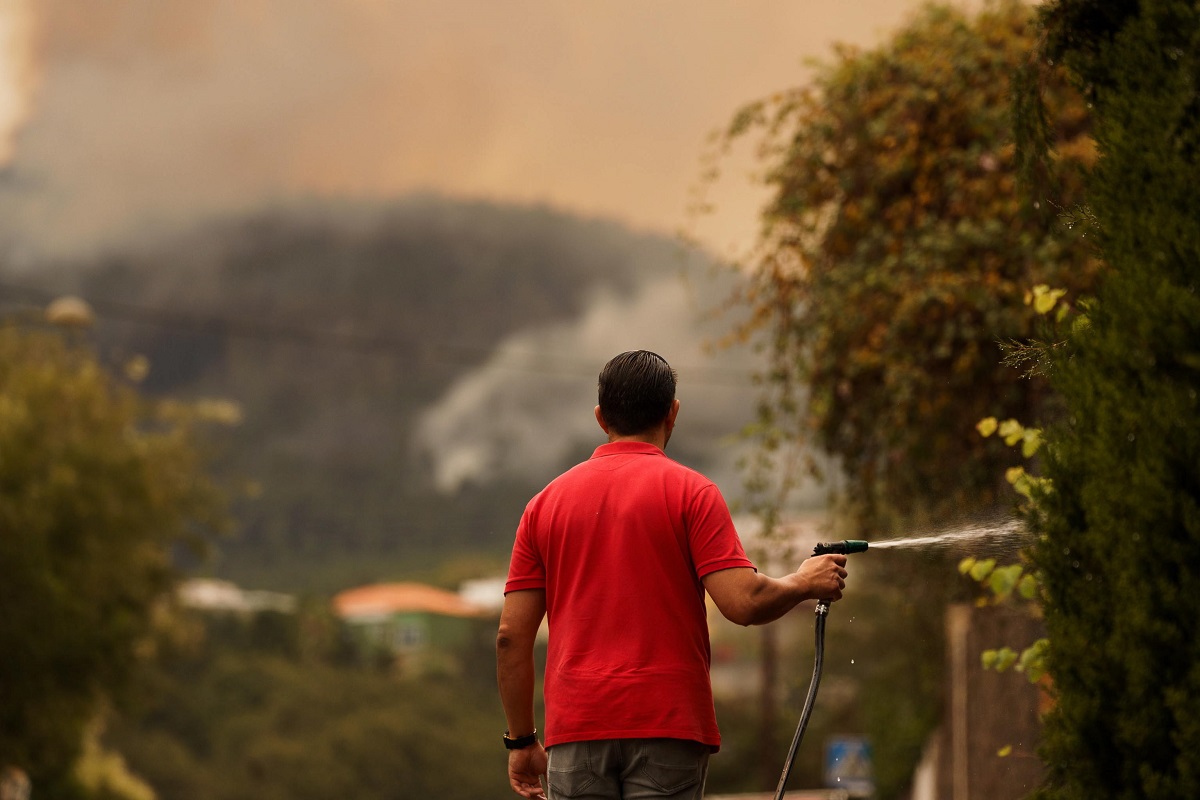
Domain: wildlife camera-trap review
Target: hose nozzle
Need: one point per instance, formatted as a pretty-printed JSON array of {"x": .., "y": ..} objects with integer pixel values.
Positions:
[{"x": 844, "y": 547}]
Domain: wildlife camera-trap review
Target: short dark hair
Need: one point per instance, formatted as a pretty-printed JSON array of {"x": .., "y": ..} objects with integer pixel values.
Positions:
[{"x": 636, "y": 390}]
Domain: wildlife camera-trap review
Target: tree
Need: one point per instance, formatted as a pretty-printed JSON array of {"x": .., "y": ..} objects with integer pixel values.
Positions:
[
  {"x": 226, "y": 716},
  {"x": 893, "y": 260},
  {"x": 96, "y": 487},
  {"x": 1120, "y": 551},
  {"x": 894, "y": 254}
]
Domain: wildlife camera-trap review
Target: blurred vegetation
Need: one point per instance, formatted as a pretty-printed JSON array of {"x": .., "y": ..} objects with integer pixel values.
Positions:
[
  {"x": 893, "y": 259},
  {"x": 282, "y": 706},
  {"x": 97, "y": 487},
  {"x": 1119, "y": 506},
  {"x": 895, "y": 253},
  {"x": 329, "y": 328},
  {"x": 334, "y": 326}
]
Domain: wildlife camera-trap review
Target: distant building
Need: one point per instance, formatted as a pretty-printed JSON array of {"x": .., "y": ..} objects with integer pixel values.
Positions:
[
  {"x": 209, "y": 594},
  {"x": 484, "y": 592},
  {"x": 407, "y": 619}
]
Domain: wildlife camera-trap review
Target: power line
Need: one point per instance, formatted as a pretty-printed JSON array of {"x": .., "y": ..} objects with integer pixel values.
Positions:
[{"x": 367, "y": 344}]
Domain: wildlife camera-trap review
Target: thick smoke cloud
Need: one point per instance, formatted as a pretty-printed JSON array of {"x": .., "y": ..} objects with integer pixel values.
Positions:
[
  {"x": 141, "y": 115},
  {"x": 530, "y": 409}
]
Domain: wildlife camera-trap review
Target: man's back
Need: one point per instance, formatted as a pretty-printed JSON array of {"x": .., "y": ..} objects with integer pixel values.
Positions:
[
  {"x": 619, "y": 551},
  {"x": 620, "y": 543}
]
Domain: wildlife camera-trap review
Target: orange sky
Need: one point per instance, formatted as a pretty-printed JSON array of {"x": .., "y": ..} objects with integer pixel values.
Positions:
[
  {"x": 141, "y": 114},
  {"x": 133, "y": 117}
]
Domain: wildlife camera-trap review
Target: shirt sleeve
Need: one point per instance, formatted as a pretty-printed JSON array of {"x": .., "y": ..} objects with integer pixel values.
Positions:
[
  {"x": 525, "y": 569},
  {"x": 712, "y": 536}
]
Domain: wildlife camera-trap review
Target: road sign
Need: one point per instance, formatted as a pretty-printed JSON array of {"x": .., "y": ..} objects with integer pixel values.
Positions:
[{"x": 848, "y": 765}]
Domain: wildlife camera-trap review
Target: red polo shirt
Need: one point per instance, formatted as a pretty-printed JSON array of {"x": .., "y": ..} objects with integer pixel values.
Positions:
[{"x": 620, "y": 543}]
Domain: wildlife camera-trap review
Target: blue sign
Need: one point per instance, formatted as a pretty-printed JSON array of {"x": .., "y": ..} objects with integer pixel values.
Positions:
[{"x": 848, "y": 765}]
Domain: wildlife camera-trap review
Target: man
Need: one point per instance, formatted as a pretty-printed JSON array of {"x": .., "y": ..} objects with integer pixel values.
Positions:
[{"x": 618, "y": 553}]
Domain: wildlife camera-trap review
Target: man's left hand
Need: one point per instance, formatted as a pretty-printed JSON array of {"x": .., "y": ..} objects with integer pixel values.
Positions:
[{"x": 525, "y": 768}]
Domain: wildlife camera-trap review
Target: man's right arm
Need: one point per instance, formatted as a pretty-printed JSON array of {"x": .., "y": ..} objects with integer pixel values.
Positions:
[
  {"x": 748, "y": 597},
  {"x": 519, "y": 623}
]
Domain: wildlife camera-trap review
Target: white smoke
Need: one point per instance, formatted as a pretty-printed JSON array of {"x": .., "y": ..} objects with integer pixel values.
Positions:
[{"x": 531, "y": 406}]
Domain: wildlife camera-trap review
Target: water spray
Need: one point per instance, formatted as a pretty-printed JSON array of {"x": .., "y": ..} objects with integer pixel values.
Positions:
[
  {"x": 972, "y": 534},
  {"x": 844, "y": 547}
]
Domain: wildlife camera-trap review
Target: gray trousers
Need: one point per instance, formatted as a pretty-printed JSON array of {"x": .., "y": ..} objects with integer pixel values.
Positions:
[{"x": 627, "y": 769}]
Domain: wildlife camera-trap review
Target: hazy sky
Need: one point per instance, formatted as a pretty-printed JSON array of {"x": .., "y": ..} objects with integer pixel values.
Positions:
[
  {"x": 130, "y": 116},
  {"x": 121, "y": 118}
]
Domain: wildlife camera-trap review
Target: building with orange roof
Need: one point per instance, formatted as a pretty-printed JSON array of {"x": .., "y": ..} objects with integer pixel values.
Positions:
[{"x": 410, "y": 621}]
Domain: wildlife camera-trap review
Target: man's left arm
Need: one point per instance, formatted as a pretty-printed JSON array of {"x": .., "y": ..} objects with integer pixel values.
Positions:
[{"x": 519, "y": 623}]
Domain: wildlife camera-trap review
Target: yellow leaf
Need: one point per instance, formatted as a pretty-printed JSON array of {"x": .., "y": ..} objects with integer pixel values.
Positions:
[
  {"x": 1032, "y": 441},
  {"x": 987, "y": 426},
  {"x": 1044, "y": 298},
  {"x": 1004, "y": 751},
  {"x": 1012, "y": 431}
]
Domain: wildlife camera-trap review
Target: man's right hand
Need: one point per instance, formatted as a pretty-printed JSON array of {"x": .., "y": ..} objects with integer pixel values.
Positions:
[
  {"x": 823, "y": 576},
  {"x": 525, "y": 769}
]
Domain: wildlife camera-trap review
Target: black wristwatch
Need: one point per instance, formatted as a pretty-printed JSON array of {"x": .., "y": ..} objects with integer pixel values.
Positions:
[{"x": 521, "y": 742}]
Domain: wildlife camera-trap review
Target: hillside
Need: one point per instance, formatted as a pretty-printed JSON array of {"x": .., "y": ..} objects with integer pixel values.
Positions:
[{"x": 340, "y": 328}]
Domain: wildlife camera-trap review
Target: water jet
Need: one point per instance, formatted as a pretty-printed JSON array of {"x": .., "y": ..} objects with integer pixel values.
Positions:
[{"x": 945, "y": 539}]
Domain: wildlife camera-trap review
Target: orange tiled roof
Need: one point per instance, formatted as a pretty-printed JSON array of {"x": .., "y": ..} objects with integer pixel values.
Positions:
[{"x": 393, "y": 598}]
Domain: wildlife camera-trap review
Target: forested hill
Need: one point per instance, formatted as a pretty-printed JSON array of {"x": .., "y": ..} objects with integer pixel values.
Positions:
[{"x": 335, "y": 327}]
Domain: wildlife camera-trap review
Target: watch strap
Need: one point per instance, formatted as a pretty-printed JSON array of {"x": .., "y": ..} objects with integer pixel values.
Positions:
[{"x": 521, "y": 742}]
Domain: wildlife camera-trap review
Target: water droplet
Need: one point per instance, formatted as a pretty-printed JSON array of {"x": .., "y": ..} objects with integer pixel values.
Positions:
[
  {"x": 1137, "y": 537},
  {"x": 1075, "y": 564},
  {"x": 1132, "y": 437},
  {"x": 1089, "y": 576},
  {"x": 852, "y": 661},
  {"x": 1066, "y": 551}
]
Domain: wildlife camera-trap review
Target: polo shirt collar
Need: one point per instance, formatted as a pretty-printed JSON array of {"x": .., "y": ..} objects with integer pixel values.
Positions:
[{"x": 623, "y": 448}]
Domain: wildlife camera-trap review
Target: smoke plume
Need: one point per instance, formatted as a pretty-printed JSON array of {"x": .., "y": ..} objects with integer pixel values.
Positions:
[
  {"x": 529, "y": 410},
  {"x": 137, "y": 116}
]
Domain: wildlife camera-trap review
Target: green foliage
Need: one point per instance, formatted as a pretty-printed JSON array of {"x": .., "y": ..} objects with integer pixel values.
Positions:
[
  {"x": 893, "y": 251},
  {"x": 1002, "y": 584},
  {"x": 96, "y": 487},
  {"x": 104, "y": 775},
  {"x": 223, "y": 719},
  {"x": 1120, "y": 552},
  {"x": 1014, "y": 582},
  {"x": 1030, "y": 440},
  {"x": 894, "y": 256}
]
